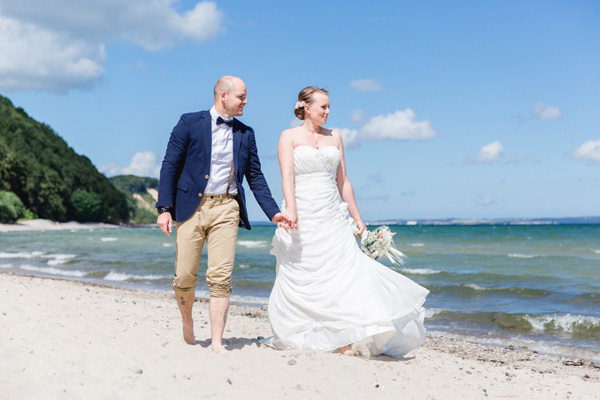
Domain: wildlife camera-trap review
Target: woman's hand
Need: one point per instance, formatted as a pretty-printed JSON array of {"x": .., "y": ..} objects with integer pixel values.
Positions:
[{"x": 361, "y": 228}]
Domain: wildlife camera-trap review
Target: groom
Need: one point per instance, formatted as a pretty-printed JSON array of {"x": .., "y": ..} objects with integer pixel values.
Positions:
[{"x": 208, "y": 155}]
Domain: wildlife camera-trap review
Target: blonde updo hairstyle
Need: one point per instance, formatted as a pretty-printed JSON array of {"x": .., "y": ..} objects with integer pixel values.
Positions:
[{"x": 306, "y": 96}]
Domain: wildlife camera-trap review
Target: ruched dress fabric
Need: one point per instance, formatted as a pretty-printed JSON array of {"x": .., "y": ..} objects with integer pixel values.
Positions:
[{"x": 327, "y": 293}]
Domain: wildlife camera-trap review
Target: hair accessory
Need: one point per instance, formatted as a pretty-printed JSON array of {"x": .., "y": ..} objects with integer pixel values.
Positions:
[{"x": 300, "y": 104}]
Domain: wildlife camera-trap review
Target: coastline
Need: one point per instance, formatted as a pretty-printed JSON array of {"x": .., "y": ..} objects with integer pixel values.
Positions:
[
  {"x": 48, "y": 225},
  {"x": 79, "y": 340}
]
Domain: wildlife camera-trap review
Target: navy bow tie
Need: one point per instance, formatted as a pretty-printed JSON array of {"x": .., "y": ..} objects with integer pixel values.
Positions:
[{"x": 222, "y": 121}]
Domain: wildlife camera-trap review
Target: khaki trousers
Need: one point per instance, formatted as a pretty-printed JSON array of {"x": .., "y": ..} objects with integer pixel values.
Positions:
[{"x": 215, "y": 221}]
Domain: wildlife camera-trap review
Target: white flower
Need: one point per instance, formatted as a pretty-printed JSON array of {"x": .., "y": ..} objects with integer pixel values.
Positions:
[
  {"x": 300, "y": 104},
  {"x": 380, "y": 243}
]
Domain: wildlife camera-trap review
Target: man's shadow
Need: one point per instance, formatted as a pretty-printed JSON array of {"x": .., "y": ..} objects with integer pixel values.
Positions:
[{"x": 233, "y": 343}]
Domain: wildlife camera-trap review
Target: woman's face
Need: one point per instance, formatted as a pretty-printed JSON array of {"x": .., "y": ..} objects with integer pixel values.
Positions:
[{"x": 318, "y": 110}]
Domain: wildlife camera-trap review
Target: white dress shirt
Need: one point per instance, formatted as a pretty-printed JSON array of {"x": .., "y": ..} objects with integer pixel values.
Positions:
[{"x": 221, "y": 157}]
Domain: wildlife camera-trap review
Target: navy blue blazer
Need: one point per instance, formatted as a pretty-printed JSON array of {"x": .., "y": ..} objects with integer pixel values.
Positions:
[{"x": 186, "y": 166}]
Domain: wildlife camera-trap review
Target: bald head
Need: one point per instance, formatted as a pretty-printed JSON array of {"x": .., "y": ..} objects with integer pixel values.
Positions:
[{"x": 230, "y": 96}]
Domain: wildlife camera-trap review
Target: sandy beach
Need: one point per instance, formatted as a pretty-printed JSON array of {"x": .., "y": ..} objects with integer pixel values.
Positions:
[{"x": 70, "y": 340}]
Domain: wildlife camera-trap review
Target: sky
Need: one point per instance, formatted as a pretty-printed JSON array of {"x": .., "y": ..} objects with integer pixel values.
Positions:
[{"x": 462, "y": 109}]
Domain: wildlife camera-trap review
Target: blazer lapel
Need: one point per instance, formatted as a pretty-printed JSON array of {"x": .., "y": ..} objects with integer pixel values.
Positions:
[
  {"x": 237, "y": 141},
  {"x": 207, "y": 131}
]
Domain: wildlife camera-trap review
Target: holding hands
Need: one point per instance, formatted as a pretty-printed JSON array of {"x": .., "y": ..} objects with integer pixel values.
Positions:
[{"x": 285, "y": 221}]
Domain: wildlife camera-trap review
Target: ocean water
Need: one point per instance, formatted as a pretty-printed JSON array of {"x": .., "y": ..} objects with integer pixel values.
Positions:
[{"x": 532, "y": 286}]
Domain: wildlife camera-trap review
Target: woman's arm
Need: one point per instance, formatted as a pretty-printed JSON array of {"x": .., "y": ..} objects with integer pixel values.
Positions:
[
  {"x": 285, "y": 153},
  {"x": 345, "y": 187}
]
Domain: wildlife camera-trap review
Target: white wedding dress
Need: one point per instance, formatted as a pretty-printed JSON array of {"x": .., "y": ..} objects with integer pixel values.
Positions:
[{"x": 327, "y": 293}]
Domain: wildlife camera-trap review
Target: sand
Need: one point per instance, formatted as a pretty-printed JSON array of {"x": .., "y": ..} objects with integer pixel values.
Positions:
[{"x": 70, "y": 340}]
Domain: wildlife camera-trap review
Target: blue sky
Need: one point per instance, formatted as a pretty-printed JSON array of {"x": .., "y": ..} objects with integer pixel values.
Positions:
[{"x": 466, "y": 109}]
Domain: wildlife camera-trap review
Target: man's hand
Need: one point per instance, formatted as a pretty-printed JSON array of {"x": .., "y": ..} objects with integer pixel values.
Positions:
[
  {"x": 283, "y": 221},
  {"x": 165, "y": 222}
]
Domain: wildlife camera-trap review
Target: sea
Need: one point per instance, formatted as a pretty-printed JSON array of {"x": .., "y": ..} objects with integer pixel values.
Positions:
[{"x": 534, "y": 287}]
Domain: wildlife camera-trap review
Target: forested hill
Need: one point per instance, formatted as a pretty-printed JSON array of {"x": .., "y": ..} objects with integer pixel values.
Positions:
[{"x": 50, "y": 179}]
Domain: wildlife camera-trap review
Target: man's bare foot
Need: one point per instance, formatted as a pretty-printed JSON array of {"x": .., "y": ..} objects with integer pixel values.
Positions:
[
  {"x": 348, "y": 351},
  {"x": 219, "y": 349},
  {"x": 188, "y": 333}
]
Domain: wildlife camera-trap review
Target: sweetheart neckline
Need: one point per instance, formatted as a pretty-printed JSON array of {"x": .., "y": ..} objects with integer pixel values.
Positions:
[{"x": 316, "y": 148}]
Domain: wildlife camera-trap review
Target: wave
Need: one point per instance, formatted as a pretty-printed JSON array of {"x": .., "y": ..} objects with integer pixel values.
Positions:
[
  {"x": 120, "y": 277},
  {"x": 574, "y": 326},
  {"x": 6, "y": 265},
  {"x": 417, "y": 244},
  {"x": 54, "y": 271},
  {"x": 252, "y": 243},
  {"x": 58, "y": 259},
  {"x": 596, "y": 251},
  {"x": 516, "y": 255},
  {"x": 476, "y": 287},
  {"x": 472, "y": 289},
  {"x": 109, "y": 239},
  {"x": 21, "y": 254},
  {"x": 167, "y": 244},
  {"x": 420, "y": 271}
]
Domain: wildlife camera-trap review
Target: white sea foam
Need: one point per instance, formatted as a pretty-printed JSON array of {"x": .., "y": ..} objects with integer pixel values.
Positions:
[
  {"x": 6, "y": 265},
  {"x": 244, "y": 266},
  {"x": 516, "y": 255},
  {"x": 58, "y": 259},
  {"x": 417, "y": 244},
  {"x": 252, "y": 243},
  {"x": 21, "y": 254},
  {"x": 475, "y": 287},
  {"x": 567, "y": 323},
  {"x": 420, "y": 271},
  {"x": 119, "y": 276},
  {"x": 53, "y": 271},
  {"x": 596, "y": 251},
  {"x": 109, "y": 239},
  {"x": 432, "y": 312},
  {"x": 167, "y": 244}
]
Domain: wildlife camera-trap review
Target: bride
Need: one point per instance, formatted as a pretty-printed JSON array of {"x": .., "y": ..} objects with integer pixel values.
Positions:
[{"x": 328, "y": 295}]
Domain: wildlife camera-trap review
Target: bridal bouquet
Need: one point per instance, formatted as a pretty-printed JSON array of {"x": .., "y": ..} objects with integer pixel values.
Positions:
[{"x": 380, "y": 243}]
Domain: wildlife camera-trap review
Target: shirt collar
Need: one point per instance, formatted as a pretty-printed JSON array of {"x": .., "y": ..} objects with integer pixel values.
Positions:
[{"x": 214, "y": 114}]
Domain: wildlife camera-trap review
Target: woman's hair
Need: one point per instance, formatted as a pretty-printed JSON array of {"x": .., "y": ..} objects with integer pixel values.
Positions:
[{"x": 306, "y": 96}]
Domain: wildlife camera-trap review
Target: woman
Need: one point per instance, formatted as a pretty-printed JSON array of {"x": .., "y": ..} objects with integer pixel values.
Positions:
[{"x": 328, "y": 294}]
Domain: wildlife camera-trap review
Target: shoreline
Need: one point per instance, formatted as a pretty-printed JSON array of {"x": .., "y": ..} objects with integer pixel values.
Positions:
[
  {"x": 86, "y": 340},
  {"x": 37, "y": 225}
]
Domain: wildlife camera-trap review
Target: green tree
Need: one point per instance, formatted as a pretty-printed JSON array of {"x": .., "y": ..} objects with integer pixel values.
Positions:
[
  {"x": 40, "y": 168},
  {"x": 87, "y": 207},
  {"x": 11, "y": 207}
]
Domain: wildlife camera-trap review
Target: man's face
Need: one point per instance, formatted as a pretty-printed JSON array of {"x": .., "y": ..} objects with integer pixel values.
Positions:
[{"x": 235, "y": 100}]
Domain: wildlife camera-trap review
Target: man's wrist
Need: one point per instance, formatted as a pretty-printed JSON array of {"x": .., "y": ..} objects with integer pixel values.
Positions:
[{"x": 163, "y": 209}]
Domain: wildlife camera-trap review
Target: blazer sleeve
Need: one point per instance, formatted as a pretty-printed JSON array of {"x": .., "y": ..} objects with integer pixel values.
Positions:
[
  {"x": 257, "y": 182},
  {"x": 173, "y": 163}
]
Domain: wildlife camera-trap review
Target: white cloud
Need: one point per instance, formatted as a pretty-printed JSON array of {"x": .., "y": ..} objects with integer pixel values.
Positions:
[
  {"x": 349, "y": 137},
  {"x": 485, "y": 201},
  {"x": 358, "y": 116},
  {"x": 365, "y": 85},
  {"x": 490, "y": 152},
  {"x": 400, "y": 125},
  {"x": 58, "y": 45},
  {"x": 542, "y": 111},
  {"x": 143, "y": 163},
  {"x": 589, "y": 151}
]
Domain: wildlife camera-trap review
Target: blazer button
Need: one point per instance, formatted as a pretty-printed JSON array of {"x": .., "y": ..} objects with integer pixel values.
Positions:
[
  {"x": 206, "y": 176},
  {"x": 199, "y": 194}
]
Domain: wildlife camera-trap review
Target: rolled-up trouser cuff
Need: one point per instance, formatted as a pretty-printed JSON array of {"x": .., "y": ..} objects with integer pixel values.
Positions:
[{"x": 218, "y": 289}]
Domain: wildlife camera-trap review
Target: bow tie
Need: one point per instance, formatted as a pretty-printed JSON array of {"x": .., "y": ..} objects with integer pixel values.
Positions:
[{"x": 222, "y": 121}]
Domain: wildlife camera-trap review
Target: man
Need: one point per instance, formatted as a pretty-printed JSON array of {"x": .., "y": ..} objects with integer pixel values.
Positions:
[{"x": 208, "y": 155}]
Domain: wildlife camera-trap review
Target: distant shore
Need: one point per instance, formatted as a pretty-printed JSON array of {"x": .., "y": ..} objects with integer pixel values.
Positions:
[
  {"x": 64, "y": 339},
  {"x": 48, "y": 225}
]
